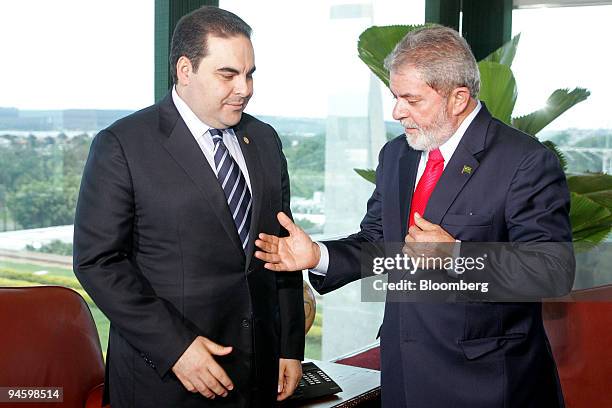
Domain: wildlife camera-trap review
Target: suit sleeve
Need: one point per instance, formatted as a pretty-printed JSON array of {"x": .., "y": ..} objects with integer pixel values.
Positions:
[
  {"x": 537, "y": 211},
  {"x": 539, "y": 260},
  {"x": 290, "y": 287},
  {"x": 104, "y": 264},
  {"x": 346, "y": 255}
]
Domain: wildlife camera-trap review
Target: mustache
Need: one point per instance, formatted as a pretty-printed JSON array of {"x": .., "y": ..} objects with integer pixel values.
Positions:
[{"x": 410, "y": 124}]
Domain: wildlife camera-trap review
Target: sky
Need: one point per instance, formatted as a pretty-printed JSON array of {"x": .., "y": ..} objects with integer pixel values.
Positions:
[{"x": 66, "y": 54}]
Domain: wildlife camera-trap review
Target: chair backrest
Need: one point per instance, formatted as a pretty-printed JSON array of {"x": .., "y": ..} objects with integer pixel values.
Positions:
[
  {"x": 580, "y": 334},
  {"x": 48, "y": 338}
]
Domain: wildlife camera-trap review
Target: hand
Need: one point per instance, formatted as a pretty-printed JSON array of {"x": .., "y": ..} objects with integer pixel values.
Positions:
[
  {"x": 424, "y": 239},
  {"x": 289, "y": 375},
  {"x": 292, "y": 253},
  {"x": 199, "y": 372}
]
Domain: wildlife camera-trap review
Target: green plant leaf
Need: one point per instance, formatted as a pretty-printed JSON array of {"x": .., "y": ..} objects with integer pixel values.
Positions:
[
  {"x": 586, "y": 214},
  {"x": 592, "y": 236},
  {"x": 589, "y": 183},
  {"x": 562, "y": 160},
  {"x": 505, "y": 54},
  {"x": 368, "y": 174},
  {"x": 376, "y": 43},
  {"x": 497, "y": 89},
  {"x": 558, "y": 102}
]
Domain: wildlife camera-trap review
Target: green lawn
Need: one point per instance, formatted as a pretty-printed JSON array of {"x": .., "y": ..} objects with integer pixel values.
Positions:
[{"x": 30, "y": 267}]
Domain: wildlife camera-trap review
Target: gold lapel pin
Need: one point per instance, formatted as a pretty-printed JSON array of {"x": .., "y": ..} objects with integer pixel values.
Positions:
[
  {"x": 246, "y": 140},
  {"x": 466, "y": 170}
]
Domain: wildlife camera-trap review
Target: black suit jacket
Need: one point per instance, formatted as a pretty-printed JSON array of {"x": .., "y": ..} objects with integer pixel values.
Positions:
[
  {"x": 157, "y": 249},
  {"x": 468, "y": 354}
]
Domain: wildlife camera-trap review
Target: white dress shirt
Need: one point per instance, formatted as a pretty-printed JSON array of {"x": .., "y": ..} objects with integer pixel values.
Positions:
[
  {"x": 200, "y": 132},
  {"x": 447, "y": 150}
]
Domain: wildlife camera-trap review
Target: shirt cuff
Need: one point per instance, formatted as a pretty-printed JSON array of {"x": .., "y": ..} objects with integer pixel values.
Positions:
[{"x": 321, "y": 268}]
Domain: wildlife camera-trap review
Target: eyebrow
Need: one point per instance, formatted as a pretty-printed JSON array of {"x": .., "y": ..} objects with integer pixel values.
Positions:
[
  {"x": 409, "y": 95},
  {"x": 234, "y": 71}
]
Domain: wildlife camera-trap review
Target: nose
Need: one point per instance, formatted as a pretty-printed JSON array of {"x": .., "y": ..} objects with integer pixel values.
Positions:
[
  {"x": 399, "y": 111},
  {"x": 243, "y": 86}
]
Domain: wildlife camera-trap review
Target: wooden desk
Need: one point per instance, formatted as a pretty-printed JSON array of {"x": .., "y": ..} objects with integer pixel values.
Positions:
[{"x": 361, "y": 387}]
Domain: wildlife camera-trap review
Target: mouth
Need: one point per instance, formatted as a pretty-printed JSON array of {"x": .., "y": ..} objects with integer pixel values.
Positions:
[{"x": 236, "y": 106}]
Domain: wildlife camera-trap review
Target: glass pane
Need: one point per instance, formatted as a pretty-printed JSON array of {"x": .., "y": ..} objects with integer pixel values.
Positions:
[
  {"x": 332, "y": 116},
  {"x": 568, "y": 51},
  {"x": 66, "y": 78}
]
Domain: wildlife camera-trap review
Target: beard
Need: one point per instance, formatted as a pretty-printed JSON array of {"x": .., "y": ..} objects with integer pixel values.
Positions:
[{"x": 430, "y": 137}]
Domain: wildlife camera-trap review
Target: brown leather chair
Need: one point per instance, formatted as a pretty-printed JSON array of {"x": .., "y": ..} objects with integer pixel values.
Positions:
[
  {"x": 48, "y": 339},
  {"x": 580, "y": 332}
]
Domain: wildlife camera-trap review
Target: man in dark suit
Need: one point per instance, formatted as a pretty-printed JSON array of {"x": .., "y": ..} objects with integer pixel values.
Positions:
[
  {"x": 171, "y": 199},
  {"x": 456, "y": 175}
]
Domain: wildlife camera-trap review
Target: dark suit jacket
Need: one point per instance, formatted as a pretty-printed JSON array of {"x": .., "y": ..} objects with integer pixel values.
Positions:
[
  {"x": 467, "y": 354},
  {"x": 157, "y": 249}
]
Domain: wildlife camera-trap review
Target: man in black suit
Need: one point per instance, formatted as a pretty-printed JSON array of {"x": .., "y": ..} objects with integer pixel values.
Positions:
[
  {"x": 457, "y": 174},
  {"x": 171, "y": 199}
]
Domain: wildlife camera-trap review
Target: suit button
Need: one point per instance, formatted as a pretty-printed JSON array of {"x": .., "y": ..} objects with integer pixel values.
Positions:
[{"x": 245, "y": 323}]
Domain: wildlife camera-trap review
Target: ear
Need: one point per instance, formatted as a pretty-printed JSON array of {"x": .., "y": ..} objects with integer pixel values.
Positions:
[
  {"x": 459, "y": 100},
  {"x": 183, "y": 70}
]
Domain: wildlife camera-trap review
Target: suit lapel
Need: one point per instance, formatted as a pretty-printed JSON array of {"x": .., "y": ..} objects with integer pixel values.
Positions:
[
  {"x": 250, "y": 151},
  {"x": 182, "y": 146},
  {"x": 460, "y": 169},
  {"x": 407, "y": 172},
  {"x": 450, "y": 184}
]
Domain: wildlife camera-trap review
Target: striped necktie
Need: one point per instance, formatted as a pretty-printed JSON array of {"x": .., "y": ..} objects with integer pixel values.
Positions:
[{"x": 234, "y": 186}]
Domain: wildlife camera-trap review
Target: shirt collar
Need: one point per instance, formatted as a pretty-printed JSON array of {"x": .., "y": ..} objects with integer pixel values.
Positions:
[{"x": 194, "y": 124}]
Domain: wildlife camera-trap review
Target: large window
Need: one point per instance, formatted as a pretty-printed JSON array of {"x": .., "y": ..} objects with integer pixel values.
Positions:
[
  {"x": 70, "y": 69},
  {"x": 332, "y": 116},
  {"x": 566, "y": 47}
]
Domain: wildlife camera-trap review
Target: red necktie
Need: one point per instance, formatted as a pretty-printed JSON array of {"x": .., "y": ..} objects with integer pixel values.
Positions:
[{"x": 427, "y": 182}]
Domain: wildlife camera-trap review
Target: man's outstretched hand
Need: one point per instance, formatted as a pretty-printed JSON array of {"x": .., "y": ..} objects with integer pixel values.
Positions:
[{"x": 292, "y": 253}]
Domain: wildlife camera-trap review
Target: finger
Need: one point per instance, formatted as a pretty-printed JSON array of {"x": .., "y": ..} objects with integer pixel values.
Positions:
[
  {"x": 276, "y": 267},
  {"x": 413, "y": 229},
  {"x": 187, "y": 384},
  {"x": 217, "y": 349},
  {"x": 416, "y": 235},
  {"x": 286, "y": 223},
  {"x": 292, "y": 380},
  {"x": 219, "y": 373},
  {"x": 284, "y": 393},
  {"x": 423, "y": 224},
  {"x": 266, "y": 246},
  {"x": 267, "y": 257},
  {"x": 287, "y": 390},
  {"x": 281, "y": 378},
  {"x": 271, "y": 239},
  {"x": 213, "y": 384},
  {"x": 203, "y": 389}
]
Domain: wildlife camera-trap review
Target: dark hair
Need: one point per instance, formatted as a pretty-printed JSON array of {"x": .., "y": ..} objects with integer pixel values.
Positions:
[{"x": 192, "y": 31}]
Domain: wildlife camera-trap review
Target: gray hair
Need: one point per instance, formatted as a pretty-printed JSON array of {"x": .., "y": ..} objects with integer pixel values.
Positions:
[
  {"x": 442, "y": 57},
  {"x": 191, "y": 33}
]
